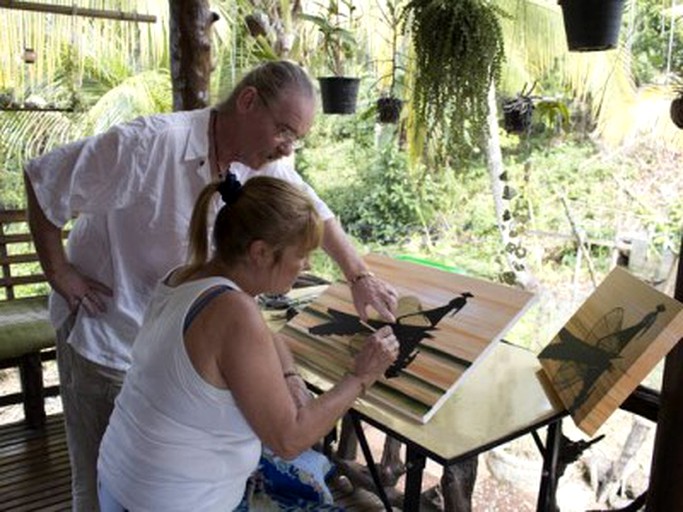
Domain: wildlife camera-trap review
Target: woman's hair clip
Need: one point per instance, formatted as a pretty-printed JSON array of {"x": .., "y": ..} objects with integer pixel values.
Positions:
[{"x": 229, "y": 189}]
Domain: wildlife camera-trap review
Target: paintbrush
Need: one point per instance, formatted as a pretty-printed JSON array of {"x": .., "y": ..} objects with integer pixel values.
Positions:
[{"x": 367, "y": 325}]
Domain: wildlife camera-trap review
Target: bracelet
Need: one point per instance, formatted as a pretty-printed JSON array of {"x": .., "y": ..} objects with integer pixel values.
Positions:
[
  {"x": 291, "y": 373},
  {"x": 361, "y": 275}
]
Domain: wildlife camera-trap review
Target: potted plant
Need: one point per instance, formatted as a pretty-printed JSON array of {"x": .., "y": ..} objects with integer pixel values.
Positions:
[
  {"x": 273, "y": 29},
  {"x": 459, "y": 51},
  {"x": 389, "y": 109},
  {"x": 389, "y": 105},
  {"x": 517, "y": 111},
  {"x": 339, "y": 92},
  {"x": 591, "y": 25}
]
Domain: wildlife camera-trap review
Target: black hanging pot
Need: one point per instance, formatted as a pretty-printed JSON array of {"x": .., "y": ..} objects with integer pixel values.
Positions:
[
  {"x": 676, "y": 111},
  {"x": 592, "y": 25},
  {"x": 339, "y": 94},
  {"x": 389, "y": 109},
  {"x": 517, "y": 113}
]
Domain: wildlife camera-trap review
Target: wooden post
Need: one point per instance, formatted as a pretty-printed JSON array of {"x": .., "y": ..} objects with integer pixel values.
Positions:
[
  {"x": 190, "y": 42},
  {"x": 666, "y": 492},
  {"x": 457, "y": 484},
  {"x": 31, "y": 375}
]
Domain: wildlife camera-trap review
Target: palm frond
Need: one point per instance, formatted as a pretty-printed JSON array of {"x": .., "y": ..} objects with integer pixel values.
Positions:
[{"x": 145, "y": 44}]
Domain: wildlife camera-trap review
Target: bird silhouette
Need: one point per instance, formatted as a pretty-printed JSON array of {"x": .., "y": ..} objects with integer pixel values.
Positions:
[
  {"x": 585, "y": 360},
  {"x": 410, "y": 329}
]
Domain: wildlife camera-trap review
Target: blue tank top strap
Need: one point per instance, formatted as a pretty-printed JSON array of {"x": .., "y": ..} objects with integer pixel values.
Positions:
[{"x": 201, "y": 302}]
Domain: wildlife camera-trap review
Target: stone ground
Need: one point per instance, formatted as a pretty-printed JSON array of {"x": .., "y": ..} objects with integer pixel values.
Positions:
[{"x": 508, "y": 477}]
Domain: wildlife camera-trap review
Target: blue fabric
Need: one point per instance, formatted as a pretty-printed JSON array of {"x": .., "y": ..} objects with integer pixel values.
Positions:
[{"x": 280, "y": 485}]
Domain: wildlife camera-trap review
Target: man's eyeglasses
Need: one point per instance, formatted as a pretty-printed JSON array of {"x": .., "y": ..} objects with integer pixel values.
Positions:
[
  {"x": 287, "y": 136},
  {"x": 284, "y": 133}
]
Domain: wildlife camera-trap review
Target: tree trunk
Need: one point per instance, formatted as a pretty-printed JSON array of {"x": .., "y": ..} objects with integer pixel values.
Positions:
[
  {"x": 610, "y": 486},
  {"x": 190, "y": 41}
]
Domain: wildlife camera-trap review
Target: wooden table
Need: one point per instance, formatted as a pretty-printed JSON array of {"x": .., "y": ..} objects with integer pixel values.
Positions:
[{"x": 504, "y": 397}]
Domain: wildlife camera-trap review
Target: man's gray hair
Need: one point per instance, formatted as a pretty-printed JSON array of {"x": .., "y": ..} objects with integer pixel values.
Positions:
[{"x": 270, "y": 79}]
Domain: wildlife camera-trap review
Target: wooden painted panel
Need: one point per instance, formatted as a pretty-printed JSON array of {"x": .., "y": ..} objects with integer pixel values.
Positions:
[
  {"x": 609, "y": 346},
  {"x": 446, "y": 324}
]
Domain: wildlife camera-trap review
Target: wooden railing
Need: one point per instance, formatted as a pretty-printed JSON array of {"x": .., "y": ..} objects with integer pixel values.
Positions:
[{"x": 26, "y": 336}]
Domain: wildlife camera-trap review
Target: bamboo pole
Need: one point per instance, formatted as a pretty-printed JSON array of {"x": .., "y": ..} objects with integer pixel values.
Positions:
[
  {"x": 580, "y": 240},
  {"x": 78, "y": 11}
]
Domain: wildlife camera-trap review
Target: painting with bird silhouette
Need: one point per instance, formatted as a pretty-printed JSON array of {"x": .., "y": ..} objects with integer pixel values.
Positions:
[
  {"x": 609, "y": 346},
  {"x": 446, "y": 324}
]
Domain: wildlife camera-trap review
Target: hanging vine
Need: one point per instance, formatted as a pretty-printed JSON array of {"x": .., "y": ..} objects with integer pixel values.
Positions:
[{"x": 458, "y": 53}]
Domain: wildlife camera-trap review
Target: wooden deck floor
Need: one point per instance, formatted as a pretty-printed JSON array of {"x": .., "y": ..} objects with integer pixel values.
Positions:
[
  {"x": 35, "y": 474},
  {"x": 34, "y": 467}
]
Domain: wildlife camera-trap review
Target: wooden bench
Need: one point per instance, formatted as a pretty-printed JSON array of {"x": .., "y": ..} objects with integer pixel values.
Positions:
[{"x": 26, "y": 335}]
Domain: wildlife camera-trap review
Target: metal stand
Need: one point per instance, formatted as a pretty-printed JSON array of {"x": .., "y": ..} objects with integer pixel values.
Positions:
[
  {"x": 546, "y": 496},
  {"x": 369, "y": 460}
]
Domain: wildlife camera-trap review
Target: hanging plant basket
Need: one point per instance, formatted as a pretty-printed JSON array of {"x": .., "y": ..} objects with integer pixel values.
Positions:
[
  {"x": 459, "y": 52},
  {"x": 29, "y": 55},
  {"x": 517, "y": 113},
  {"x": 389, "y": 110},
  {"x": 592, "y": 25},
  {"x": 339, "y": 94}
]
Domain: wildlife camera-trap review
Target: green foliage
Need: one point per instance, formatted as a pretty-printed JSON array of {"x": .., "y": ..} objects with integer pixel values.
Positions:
[
  {"x": 106, "y": 98},
  {"x": 366, "y": 181},
  {"x": 553, "y": 113},
  {"x": 386, "y": 206},
  {"x": 324, "y": 267},
  {"x": 337, "y": 38},
  {"x": 653, "y": 42}
]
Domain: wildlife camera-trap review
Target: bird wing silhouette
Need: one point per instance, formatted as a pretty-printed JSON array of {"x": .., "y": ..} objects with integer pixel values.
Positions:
[
  {"x": 571, "y": 348},
  {"x": 602, "y": 333},
  {"x": 341, "y": 323}
]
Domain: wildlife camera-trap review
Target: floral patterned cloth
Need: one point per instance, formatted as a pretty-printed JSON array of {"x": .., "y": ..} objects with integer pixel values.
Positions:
[{"x": 280, "y": 485}]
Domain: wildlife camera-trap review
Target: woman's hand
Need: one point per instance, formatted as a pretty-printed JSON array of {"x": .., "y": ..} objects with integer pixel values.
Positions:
[{"x": 379, "y": 351}]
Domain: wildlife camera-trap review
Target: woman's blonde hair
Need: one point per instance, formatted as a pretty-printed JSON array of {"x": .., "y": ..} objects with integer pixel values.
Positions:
[{"x": 265, "y": 208}]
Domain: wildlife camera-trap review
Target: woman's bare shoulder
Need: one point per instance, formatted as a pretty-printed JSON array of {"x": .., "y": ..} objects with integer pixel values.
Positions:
[{"x": 235, "y": 312}]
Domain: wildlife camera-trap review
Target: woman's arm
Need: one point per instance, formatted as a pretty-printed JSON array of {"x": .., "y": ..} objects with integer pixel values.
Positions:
[
  {"x": 251, "y": 368},
  {"x": 295, "y": 384}
]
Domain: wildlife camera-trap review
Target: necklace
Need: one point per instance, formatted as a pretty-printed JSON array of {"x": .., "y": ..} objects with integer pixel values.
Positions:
[{"x": 213, "y": 141}]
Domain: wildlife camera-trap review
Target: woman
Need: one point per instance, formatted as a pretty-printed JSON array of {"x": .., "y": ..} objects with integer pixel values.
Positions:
[{"x": 209, "y": 381}]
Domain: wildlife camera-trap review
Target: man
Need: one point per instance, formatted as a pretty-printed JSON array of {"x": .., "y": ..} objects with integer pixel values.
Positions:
[{"x": 133, "y": 189}]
